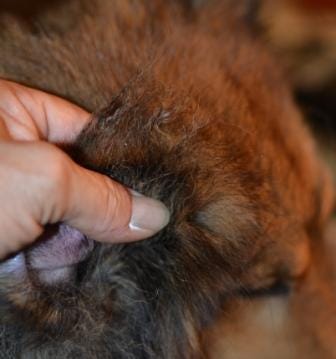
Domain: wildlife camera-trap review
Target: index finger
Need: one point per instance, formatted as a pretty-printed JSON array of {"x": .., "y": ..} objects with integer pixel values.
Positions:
[{"x": 30, "y": 114}]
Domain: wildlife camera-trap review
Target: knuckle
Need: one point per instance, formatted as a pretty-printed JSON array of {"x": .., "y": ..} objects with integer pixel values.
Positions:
[
  {"x": 55, "y": 169},
  {"x": 110, "y": 202},
  {"x": 116, "y": 202}
]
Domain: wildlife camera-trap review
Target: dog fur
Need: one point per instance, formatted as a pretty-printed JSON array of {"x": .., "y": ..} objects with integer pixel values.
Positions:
[{"x": 188, "y": 108}]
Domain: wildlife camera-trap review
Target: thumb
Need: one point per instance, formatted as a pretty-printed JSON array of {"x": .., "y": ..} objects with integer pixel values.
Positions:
[{"x": 106, "y": 211}]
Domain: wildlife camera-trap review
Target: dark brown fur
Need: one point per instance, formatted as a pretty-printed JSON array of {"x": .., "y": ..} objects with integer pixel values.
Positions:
[{"x": 188, "y": 108}]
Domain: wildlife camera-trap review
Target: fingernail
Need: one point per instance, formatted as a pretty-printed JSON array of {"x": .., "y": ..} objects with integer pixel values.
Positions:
[{"x": 148, "y": 214}]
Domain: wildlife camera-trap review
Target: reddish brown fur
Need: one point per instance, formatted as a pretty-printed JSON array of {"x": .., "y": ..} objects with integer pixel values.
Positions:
[{"x": 189, "y": 109}]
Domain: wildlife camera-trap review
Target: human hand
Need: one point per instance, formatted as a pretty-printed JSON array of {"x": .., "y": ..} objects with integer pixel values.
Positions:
[{"x": 40, "y": 184}]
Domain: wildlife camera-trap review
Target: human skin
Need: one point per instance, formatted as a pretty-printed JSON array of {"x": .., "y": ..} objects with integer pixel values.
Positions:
[{"x": 40, "y": 184}]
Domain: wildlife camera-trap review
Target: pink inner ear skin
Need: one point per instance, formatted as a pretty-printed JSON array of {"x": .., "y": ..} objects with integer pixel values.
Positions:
[{"x": 60, "y": 247}]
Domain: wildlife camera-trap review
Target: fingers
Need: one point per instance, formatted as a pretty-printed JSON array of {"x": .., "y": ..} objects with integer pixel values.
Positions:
[
  {"x": 96, "y": 205},
  {"x": 31, "y": 114},
  {"x": 108, "y": 212},
  {"x": 49, "y": 187}
]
